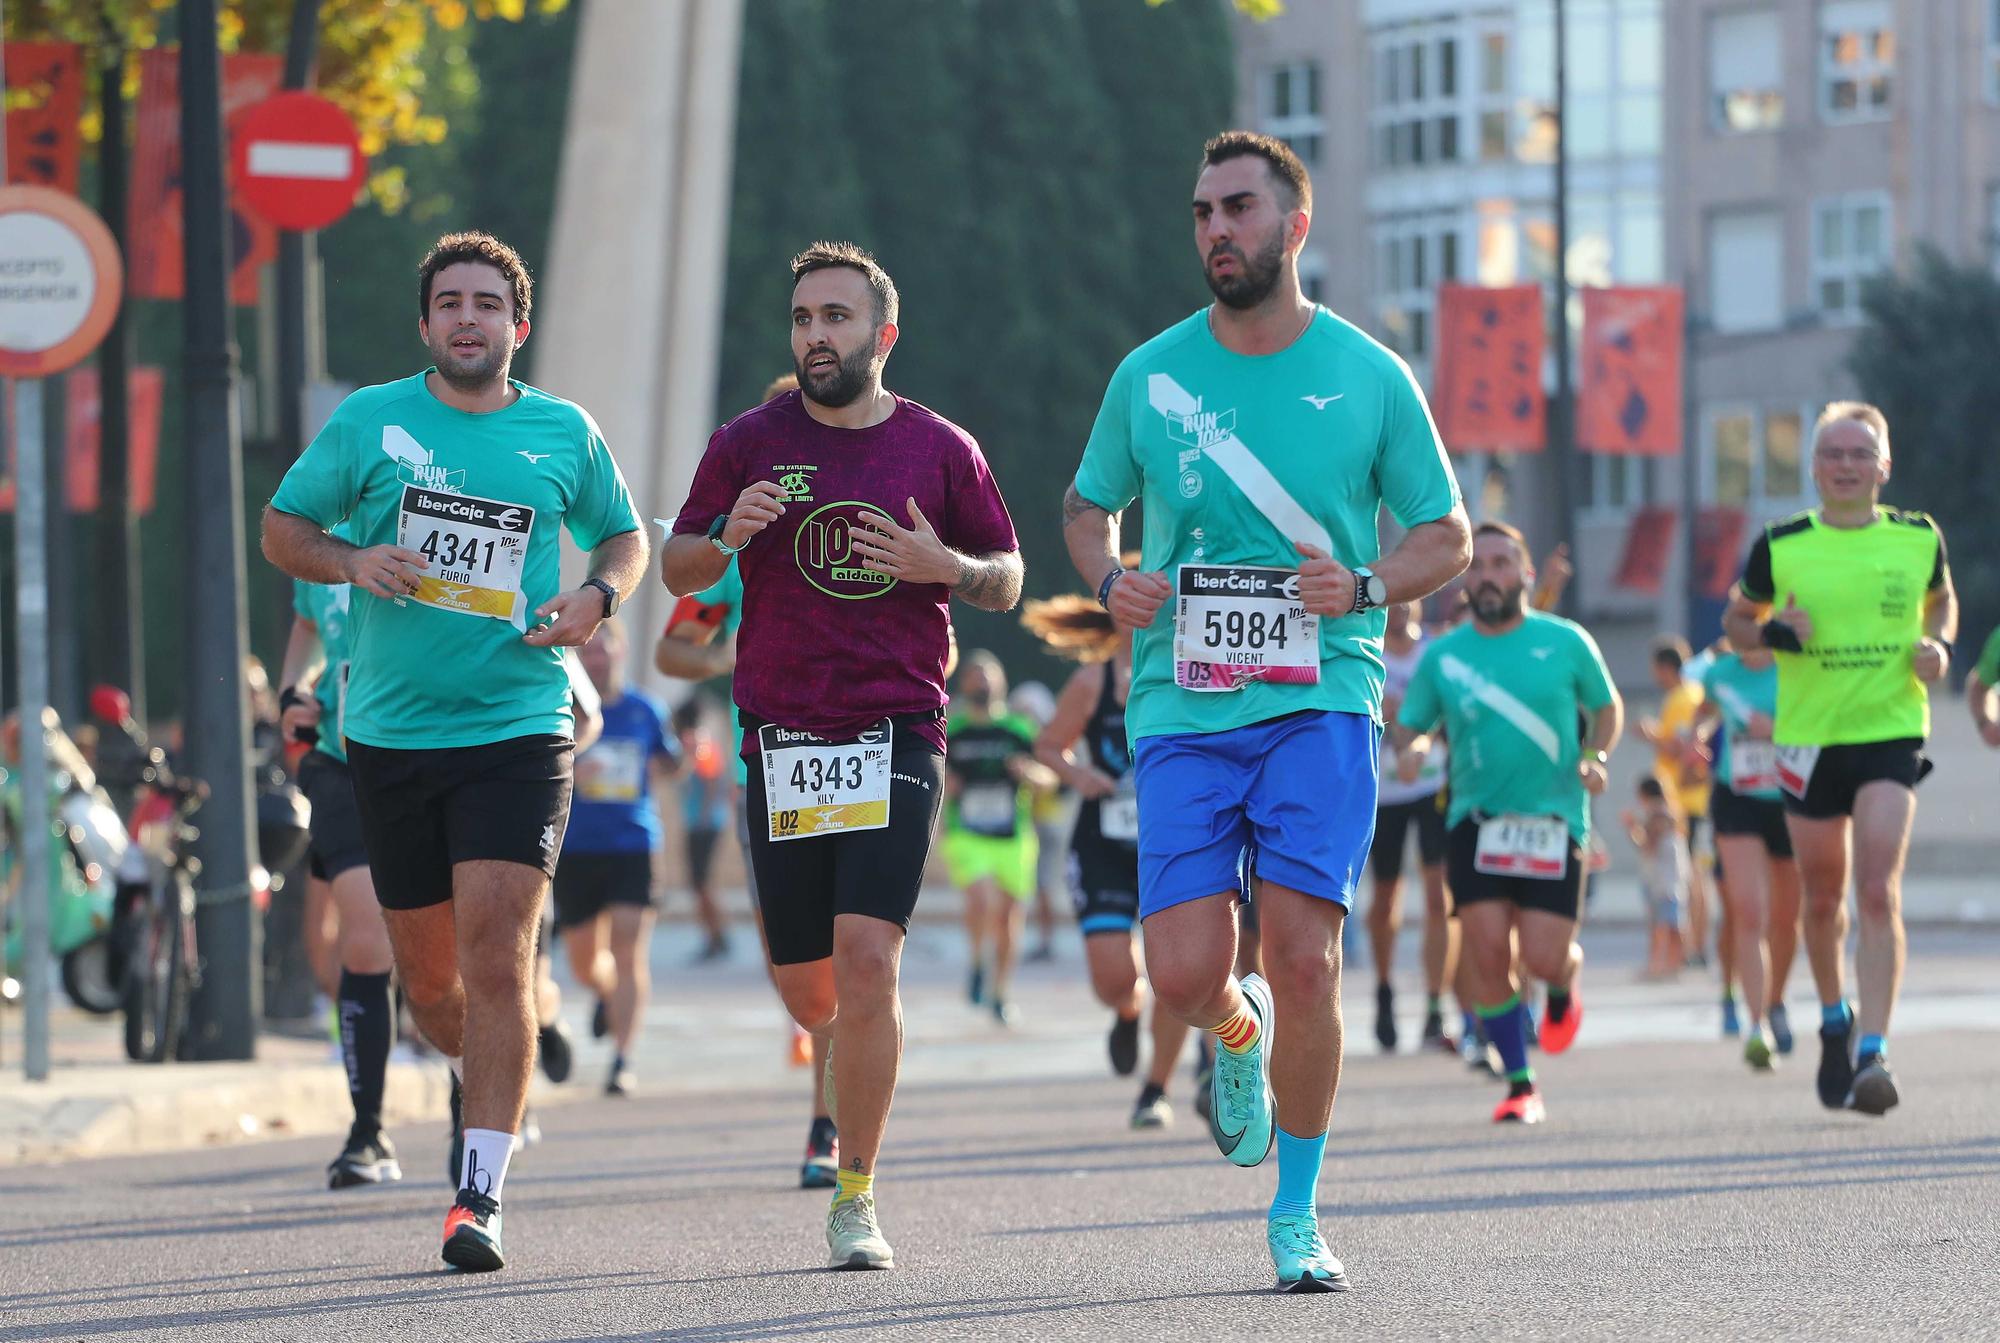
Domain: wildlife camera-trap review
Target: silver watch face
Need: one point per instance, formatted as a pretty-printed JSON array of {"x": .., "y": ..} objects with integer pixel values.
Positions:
[{"x": 1378, "y": 591}]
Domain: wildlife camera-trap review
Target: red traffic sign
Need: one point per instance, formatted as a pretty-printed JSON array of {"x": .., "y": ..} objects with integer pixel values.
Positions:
[
  {"x": 60, "y": 281},
  {"x": 297, "y": 160}
]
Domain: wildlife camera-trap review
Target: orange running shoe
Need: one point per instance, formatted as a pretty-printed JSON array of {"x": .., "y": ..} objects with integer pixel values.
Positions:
[
  {"x": 1556, "y": 1035},
  {"x": 472, "y": 1233},
  {"x": 1525, "y": 1108},
  {"x": 802, "y": 1047}
]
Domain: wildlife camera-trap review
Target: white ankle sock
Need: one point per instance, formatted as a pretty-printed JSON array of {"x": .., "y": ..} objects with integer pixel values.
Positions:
[{"x": 486, "y": 1154}]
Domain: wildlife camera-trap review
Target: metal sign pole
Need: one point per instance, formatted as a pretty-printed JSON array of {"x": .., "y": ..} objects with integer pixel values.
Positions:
[{"x": 32, "y": 660}]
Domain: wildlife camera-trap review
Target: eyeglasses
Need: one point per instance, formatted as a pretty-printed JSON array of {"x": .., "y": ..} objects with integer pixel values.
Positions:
[{"x": 1859, "y": 456}]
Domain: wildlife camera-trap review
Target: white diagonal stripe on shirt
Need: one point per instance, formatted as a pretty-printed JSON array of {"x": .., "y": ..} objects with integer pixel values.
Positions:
[
  {"x": 1248, "y": 474},
  {"x": 1503, "y": 703}
]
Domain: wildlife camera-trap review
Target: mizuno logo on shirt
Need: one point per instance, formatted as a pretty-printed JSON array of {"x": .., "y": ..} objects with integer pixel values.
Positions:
[
  {"x": 533, "y": 457},
  {"x": 1322, "y": 402}
]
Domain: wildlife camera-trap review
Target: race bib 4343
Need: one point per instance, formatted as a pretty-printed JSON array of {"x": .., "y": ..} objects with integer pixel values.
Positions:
[{"x": 818, "y": 787}]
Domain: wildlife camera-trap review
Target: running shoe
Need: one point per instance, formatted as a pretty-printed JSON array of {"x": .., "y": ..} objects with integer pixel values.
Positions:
[
  {"x": 1525, "y": 1108},
  {"x": 1757, "y": 1050},
  {"x": 1781, "y": 1027},
  {"x": 822, "y": 1160},
  {"x": 1556, "y": 1036},
  {"x": 472, "y": 1233},
  {"x": 1204, "y": 1081},
  {"x": 1043, "y": 953},
  {"x": 715, "y": 949},
  {"x": 854, "y": 1237},
  {"x": 1243, "y": 1121},
  {"x": 1124, "y": 1046},
  {"x": 1434, "y": 1037},
  {"x": 1732, "y": 1020},
  {"x": 1874, "y": 1091},
  {"x": 975, "y": 986},
  {"x": 1152, "y": 1110},
  {"x": 1385, "y": 1017},
  {"x": 367, "y": 1159},
  {"x": 622, "y": 1080},
  {"x": 554, "y": 1046},
  {"x": 454, "y": 1160},
  {"x": 1005, "y": 1013},
  {"x": 801, "y": 1048},
  {"x": 1300, "y": 1254},
  {"x": 1836, "y": 1065},
  {"x": 600, "y": 1021}
]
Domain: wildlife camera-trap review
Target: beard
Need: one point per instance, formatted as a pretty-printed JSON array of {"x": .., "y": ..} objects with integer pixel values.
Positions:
[
  {"x": 1495, "y": 605},
  {"x": 839, "y": 385},
  {"x": 1255, "y": 278},
  {"x": 471, "y": 372}
]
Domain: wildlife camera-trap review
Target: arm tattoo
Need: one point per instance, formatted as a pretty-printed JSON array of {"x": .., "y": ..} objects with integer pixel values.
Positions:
[
  {"x": 990, "y": 582},
  {"x": 1075, "y": 506}
]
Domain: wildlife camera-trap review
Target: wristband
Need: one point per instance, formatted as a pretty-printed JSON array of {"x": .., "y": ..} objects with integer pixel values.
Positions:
[
  {"x": 288, "y": 697},
  {"x": 1104, "y": 588},
  {"x": 1945, "y": 644},
  {"x": 1776, "y": 634}
]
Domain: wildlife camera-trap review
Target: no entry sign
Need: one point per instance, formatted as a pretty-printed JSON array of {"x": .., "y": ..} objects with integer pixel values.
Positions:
[
  {"x": 298, "y": 161},
  {"x": 60, "y": 278}
]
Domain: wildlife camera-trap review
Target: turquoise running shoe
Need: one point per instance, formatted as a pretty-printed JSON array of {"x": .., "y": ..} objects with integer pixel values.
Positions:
[
  {"x": 1243, "y": 1114},
  {"x": 1304, "y": 1263}
]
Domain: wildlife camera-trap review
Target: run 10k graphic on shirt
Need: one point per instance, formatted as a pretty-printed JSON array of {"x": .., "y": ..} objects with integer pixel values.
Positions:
[
  {"x": 483, "y": 498},
  {"x": 827, "y": 646}
]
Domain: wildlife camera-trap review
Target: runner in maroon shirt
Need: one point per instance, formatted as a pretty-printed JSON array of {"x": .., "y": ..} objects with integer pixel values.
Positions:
[{"x": 855, "y": 516}]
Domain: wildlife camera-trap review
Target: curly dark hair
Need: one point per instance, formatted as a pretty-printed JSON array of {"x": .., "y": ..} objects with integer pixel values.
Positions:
[
  {"x": 1286, "y": 169},
  {"x": 453, "y": 248}
]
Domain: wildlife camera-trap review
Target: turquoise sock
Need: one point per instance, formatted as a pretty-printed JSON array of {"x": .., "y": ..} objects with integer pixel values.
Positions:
[
  {"x": 1837, "y": 1017},
  {"x": 1298, "y": 1174},
  {"x": 1871, "y": 1044}
]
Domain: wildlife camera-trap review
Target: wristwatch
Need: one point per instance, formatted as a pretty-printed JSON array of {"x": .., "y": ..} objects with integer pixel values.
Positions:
[
  {"x": 715, "y": 530},
  {"x": 1601, "y": 757},
  {"x": 611, "y": 601},
  {"x": 1369, "y": 592}
]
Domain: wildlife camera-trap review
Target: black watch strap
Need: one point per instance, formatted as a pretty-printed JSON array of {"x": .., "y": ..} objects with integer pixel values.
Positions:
[{"x": 610, "y": 594}]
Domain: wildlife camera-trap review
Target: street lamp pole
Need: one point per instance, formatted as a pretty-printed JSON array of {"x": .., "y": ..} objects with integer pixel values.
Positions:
[{"x": 1562, "y": 413}]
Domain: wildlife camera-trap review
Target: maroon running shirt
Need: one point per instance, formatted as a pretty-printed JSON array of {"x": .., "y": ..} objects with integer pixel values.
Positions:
[{"x": 825, "y": 646}]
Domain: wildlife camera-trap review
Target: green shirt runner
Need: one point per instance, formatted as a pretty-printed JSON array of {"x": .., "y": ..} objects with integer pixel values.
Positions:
[
  {"x": 1740, "y": 692},
  {"x": 326, "y": 606},
  {"x": 991, "y": 802},
  {"x": 483, "y": 498},
  {"x": 1236, "y": 457},
  {"x": 1510, "y": 705}
]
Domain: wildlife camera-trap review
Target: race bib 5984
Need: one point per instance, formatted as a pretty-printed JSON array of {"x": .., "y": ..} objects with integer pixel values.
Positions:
[{"x": 1234, "y": 624}]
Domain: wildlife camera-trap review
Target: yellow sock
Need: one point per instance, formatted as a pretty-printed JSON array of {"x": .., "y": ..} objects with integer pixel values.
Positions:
[
  {"x": 852, "y": 1185},
  {"x": 1239, "y": 1034}
]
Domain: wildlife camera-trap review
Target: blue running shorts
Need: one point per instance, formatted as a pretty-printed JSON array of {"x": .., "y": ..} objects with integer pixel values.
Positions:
[{"x": 1301, "y": 788}]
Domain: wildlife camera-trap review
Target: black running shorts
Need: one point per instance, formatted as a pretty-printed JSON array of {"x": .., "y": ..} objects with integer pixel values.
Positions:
[
  {"x": 423, "y": 812},
  {"x": 1732, "y": 814},
  {"x": 336, "y": 844},
  {"x": 1840, "y": 772},
  {"x": 1104, "y": 886},
  {"x": 701, "y": 846},
  {"x": 801, "y": 884},
  {"x": 587, "y": 884},
  {"x": 1561, "y": 896},
  {"x": 1392, "y": 827}
]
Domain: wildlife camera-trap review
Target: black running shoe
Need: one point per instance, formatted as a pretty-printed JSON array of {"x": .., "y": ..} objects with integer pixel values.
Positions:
[
  {"x": 454, "y": 1160},
  {"x": 1204, "y": 1080},
  {"x": 600, "y": 1021},
  {"x": 472, "y": 1233},
  {"x": 822, "y": 1161},
  {"x": 1874, "y": 1090},
  {"x": 1836, "y": 1065},
  {"x": 1124, "y": 1046},
  {"x": 621, "y": 1081},
  {"x": 1434, "y": 1037},
  {"x": 1385, "y": 1017},
  {"x": 367, "y": 1159},
  {"x": 975, "y": 986},
  {"x": 557, "y": 1056}
]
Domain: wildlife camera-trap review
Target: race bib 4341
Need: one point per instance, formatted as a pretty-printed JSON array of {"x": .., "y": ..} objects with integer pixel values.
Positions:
[{"x": 477, "y": 549}]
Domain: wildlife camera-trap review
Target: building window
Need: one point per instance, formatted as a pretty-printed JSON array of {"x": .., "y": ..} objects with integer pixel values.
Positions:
[
  {"x": 1615, "y": 482},
  {"x": 1857, "y": 59},
  {"x": 1291, "y": 107},
  {"x": 1615, "y": 61},
  {"x": 1993, "y": 51},
  {"x": 1746, "y": 76},
  {"x": 1754, "y": 457},
  {"x": 1418, "y": 98},
  {"x": 1414, "y": 256},
  {"x": 1851, "y": 241},
  {"x": 1746, "y": 289}
]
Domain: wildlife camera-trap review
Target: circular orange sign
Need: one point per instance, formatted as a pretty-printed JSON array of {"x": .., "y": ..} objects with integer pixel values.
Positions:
[{"x": 60, "y": 280}]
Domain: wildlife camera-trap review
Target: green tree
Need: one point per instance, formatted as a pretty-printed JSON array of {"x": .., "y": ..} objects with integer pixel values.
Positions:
[{"x": 1926, "y": 356}]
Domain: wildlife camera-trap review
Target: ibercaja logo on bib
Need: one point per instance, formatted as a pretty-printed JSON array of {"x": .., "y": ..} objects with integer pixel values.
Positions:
[{"x": 824, "y": 549}]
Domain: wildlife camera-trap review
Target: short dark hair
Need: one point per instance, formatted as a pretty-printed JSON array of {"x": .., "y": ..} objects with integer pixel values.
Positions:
[
  {"x": 1670, "y": 650},
  {"x": 454, "y": 248},
  {"x": 1277, "y": 155},
  {"x": 1506, "y": 529},
  {"x": 847, "y": 256}
]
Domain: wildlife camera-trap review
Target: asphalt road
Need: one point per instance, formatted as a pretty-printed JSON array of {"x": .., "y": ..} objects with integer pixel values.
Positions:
[{"x": 1672, "y": 1194}]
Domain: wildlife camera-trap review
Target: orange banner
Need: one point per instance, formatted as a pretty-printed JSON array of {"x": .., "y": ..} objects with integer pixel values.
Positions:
[
  {"x": 82, "y": 439},
  {"x": 154, "y": 263},
  {"x": 1718, "y": 549},
  {"x": 1630, "y": 401},
  {"x": 1487, "y": 389},
  {"x": 44, "y": 82},
  {"x": 1649, "y": 540}
]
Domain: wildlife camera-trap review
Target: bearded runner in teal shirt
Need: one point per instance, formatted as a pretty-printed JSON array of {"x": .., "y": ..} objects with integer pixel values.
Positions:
[
  {"x": 457, "y": 484},
  {"x": 1532, "y": 716},
  {"x": 1264, "y": 436}
]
